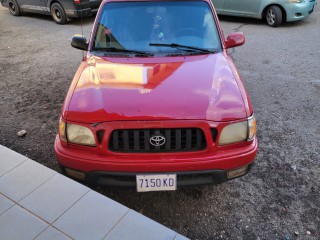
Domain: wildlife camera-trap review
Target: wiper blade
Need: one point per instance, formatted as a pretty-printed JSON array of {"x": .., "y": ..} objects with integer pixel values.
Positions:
[
  {"x": 113, "y": 49},
  {"x": 175, "y": 45}
]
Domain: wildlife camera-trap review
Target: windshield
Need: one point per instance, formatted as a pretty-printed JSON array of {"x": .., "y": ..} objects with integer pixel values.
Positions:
[{"x": 156, "y": 27}]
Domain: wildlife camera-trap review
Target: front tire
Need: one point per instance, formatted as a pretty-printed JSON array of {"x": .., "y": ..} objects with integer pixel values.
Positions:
[
  {"x": 273, "y": 16},
  {"x": 14, "y": 8},
  {"x": 58, "y": 14}
]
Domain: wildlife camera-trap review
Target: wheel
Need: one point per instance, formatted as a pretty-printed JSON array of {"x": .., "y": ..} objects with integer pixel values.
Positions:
[
  {"x": 273, "y": 16},
  {"x": 186, "y": 32},
  {"x": 58, "y": 14},
  {"x": 14, "y": 8}
]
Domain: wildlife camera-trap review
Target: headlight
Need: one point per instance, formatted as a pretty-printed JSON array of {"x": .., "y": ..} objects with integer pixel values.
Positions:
[
  {"x": 238, "y": 132},
  {"x": 80, "y": 135},
  {"x": 295, "y": 1}
]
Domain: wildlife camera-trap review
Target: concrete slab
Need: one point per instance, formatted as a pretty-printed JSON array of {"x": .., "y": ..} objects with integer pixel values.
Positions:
[
  {"x": 53, "y": 198},
  {"x": 5, "y": 204},
  {"x": 9, "y": 160},
  {"x": 135, "y": 226},
  {"x": 24, "y": 179},
  {"x": 52, "y": 234},
  {"x": 38, "y": 203},
  {"x": 18, "y": 223},
  {"x": 92, "y": 217}
]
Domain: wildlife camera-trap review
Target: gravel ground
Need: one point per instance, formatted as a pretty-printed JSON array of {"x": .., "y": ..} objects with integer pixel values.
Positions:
[{"x": 280, "y": 68}]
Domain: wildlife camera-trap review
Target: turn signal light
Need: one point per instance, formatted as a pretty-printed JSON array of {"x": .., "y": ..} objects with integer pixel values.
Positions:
[
  {"x": 75, "y": 174},
  {"x": 237, "y": 172}
]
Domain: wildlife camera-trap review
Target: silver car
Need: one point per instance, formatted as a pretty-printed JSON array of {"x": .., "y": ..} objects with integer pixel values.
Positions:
[{"x": 274, "y": 12}]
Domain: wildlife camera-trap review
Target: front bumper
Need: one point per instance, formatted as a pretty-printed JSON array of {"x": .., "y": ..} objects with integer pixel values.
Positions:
[
  {"x": 191, "y": 168},
  {"x": 298, "y": 11},
  {"x": 191, "y": 178}
]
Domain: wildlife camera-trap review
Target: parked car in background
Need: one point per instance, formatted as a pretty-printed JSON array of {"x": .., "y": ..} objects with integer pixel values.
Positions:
[
  {"x": 60, "y": 10},
  {"x": 274, "y": 12},
  {"x": 157, "y": 103}
]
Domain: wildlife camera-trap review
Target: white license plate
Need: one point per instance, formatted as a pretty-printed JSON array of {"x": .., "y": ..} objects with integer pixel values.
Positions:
[{"x": 161, "y": 182}]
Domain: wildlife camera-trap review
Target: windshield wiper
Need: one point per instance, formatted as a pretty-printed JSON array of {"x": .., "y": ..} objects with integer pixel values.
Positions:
[
  {"x": 175, "y": 45},
  {"x": 113, "y": 49}
]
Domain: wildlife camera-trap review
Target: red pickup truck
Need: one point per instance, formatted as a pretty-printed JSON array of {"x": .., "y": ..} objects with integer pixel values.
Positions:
[{"x": 157, "y": 103}]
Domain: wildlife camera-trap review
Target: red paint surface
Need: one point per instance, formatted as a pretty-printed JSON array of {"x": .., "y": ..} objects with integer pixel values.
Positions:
[{"x": 201, "y": 87}]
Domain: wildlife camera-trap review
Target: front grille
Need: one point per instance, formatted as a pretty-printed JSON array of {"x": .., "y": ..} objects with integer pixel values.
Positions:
[{"x": 176, "y": 140}]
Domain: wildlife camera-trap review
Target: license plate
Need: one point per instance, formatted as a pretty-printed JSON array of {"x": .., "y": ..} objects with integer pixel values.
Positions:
[{"x": 161, "y": 182}]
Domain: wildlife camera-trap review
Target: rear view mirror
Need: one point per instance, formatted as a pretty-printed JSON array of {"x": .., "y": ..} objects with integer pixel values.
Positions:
[
  {"x": 235, "y": 39},
  {"x": 79, "y": 42}
]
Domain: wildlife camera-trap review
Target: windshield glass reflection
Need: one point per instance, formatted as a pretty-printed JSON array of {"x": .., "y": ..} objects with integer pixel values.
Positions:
[{"x": 134, "y": 25}]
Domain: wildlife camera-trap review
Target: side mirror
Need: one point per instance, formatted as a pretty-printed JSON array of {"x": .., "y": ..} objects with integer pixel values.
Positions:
[
  {"x": 79, "y": 42},
  {"x": 235, "y": 39}
]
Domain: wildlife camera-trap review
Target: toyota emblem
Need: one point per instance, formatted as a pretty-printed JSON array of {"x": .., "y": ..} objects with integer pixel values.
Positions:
[{"x": 157, "y": 141}]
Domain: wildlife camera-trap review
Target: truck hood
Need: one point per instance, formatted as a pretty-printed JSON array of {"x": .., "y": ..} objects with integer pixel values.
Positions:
[{"x": 194, "y": 87}]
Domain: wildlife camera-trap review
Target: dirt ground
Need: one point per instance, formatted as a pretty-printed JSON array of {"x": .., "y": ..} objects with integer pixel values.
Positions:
[{"x": 279, "y": 199}]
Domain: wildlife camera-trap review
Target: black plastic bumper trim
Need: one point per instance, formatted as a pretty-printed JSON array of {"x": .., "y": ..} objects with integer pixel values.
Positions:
[{"x": 128, "y": 179}]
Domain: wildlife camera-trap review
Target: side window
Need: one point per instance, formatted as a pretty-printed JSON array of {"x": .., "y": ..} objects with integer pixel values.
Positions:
[
  {"x": 210, "y": 32},
  {"x": 100, "y": 40},
  {"x": 110, "y": 32}
]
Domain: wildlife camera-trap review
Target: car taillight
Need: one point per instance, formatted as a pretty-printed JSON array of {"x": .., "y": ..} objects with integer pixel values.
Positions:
[{"x": 77, "y": 1}]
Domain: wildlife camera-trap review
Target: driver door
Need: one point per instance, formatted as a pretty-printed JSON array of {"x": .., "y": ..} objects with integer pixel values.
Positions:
[{"x": 242, "y": 7}]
